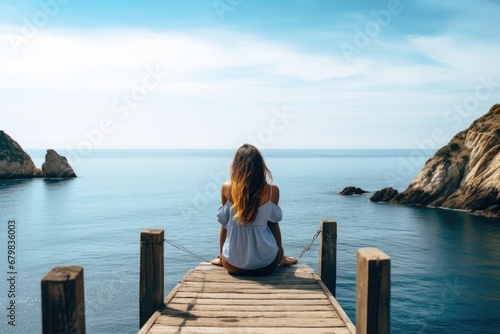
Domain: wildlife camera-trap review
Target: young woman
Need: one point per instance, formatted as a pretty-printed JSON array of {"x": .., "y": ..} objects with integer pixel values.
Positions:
[{"x": 250, "y": 237}]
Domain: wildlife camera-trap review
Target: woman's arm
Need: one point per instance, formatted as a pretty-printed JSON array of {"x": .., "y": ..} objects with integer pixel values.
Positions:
[
  {"x": 224, "y": 198},
  {"x": 224, "y": 193},
  {"x": 275, "y": 229},
  {"x": 222, "y": 238}
]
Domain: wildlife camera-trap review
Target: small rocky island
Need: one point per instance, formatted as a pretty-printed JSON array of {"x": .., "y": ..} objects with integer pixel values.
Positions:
[
  {"x": 350, "y": 191},
  {"x": 15, "y": 163},
  {"x": 463, "y": 175}
]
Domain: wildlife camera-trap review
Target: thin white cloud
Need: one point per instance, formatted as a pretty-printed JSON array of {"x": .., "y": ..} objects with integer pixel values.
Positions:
[
  {"x": 76, "y": 59},
  {"x": 215, "y": 75},
  {"x": 460, "y": 53}
]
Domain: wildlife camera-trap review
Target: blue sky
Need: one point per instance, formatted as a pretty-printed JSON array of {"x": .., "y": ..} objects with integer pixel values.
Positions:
[{"x": 86, "y": 75}]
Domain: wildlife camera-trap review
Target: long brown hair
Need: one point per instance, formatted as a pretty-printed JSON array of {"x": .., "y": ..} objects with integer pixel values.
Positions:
[{"x": 249, "y": 177}]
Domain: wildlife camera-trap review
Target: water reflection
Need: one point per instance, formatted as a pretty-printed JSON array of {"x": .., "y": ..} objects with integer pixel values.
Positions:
[
  {"x": 57, "y": 183},
  {"x": 12, "y": 184}
]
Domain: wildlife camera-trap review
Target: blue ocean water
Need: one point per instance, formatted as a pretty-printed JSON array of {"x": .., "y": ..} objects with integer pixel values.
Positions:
[{"x": 445, "y": 265}]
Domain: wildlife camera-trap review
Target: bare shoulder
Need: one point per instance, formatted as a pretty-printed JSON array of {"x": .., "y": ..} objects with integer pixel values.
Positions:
[
  {"x": 225, "y": 192},
  {"x": 275, "y": 197}
]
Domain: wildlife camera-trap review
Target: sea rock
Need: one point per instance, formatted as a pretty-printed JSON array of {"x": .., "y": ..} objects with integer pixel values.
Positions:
[
  {"x": 56, "y": 166},
  {"x": 464, "y": 174},
  {"x": 14, "y": 161},
  {"x": 384, "y": 195},
  {"x": 349, "y": 191}
]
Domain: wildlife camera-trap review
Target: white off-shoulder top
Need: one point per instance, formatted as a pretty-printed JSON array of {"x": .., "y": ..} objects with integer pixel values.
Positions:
[{"x": 250, "y": 246}]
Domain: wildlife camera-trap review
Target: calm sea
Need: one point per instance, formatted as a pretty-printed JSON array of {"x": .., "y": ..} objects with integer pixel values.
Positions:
[{"x": 445, "y": 264}]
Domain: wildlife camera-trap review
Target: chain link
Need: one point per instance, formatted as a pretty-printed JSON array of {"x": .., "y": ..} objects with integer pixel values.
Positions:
[
  {"x": 308, "y": 247},
  {"x": 184, "y": 249}
]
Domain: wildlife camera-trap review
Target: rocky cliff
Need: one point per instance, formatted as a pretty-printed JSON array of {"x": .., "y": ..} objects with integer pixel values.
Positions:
[
  {"x": 465, "y": 174},
  {"x": 14, "y": 162},
  {"x": 57, "y": 166}
]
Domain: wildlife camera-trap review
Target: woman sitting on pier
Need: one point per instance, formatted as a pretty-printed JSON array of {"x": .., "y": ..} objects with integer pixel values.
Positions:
[{"x": 250, "y": 237}]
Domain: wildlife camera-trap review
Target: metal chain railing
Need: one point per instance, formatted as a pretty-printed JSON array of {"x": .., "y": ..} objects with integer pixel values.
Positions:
[
  {"x": 186, "y": 250},
  {"x": 308, "y": 247}
]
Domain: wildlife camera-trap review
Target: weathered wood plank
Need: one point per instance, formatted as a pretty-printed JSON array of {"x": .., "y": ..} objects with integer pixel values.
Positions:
[
  {"x": 161, "y": 329},
  {"x": 297, "y": 296},
  {"x": 230, "y": 313},
  {"x": 252, "y": 290},
  {"x": 311, "y": 285},
  {"x": 295, "y": 268},
  {"x": 250, "y": 302},
  {"x": 185, "y": 307},
  {"x": 249, "y": 322}
]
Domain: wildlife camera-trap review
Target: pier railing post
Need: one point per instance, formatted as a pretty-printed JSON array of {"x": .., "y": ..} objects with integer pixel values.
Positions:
[
  {"x": 373, "y": 291},
  {"x": 328, "y": 254},
  {"x": 63, "y": 302},
  {"x": 151, "y": 284}
]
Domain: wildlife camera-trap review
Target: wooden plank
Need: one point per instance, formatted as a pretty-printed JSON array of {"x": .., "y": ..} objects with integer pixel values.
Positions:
[
  {"x": 161, "y": 329},
  {"x": 295, "y": 268},
  {"x": 247, "y": 290},
  {"x": 278, "y": 274},
  {"x": 297, "y": 296},
  {"x": 193, "y": 301},
  {"x": 249, "y": 322},
  {"x": 250, "y": 308},
  {"x": 230, "y": 313},
  {"x": 311, "y": 285}
]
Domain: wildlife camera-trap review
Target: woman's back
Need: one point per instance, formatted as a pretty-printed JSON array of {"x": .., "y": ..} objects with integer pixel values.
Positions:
[{"x": 250, "y": 246}]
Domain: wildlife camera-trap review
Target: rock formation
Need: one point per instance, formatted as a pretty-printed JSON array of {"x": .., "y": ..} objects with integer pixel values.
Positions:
[
  {"x": 384, "y": 195},
  {"x": 56, "y": 165},
  {"x": 349, "y": 191},
  {"x": 465, "y": 174},
  {"x": 14, "y": 162}
]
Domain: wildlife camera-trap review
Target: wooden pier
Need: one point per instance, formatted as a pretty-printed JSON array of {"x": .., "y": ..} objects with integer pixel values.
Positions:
[{"x": 290, "y": 300}]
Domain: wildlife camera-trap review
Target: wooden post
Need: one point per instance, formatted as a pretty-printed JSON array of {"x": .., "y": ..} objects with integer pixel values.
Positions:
[
  {"x": 63, "y": 304},
  {"x": 328, "y": 254},
  {"x": 373, "y": 291},
  {"x": 151, "y": 285}
]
